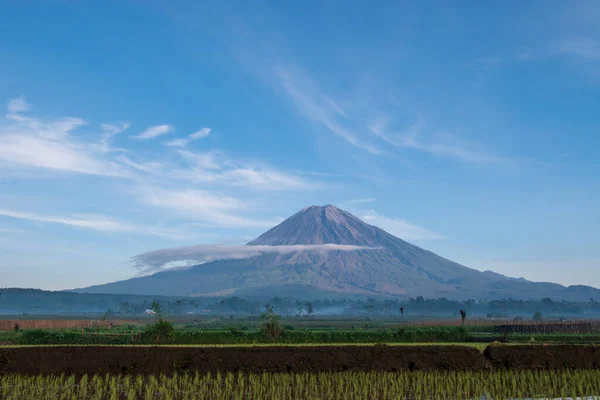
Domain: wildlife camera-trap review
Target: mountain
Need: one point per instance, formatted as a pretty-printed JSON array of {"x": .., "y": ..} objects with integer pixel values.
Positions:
[{"x": 388, "y": 266}]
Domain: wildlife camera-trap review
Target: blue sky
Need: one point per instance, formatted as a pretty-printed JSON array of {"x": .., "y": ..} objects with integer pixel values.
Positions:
[{"x": 469, "y": 129}]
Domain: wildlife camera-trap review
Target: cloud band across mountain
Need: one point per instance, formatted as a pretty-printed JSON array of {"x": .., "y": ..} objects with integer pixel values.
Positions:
[{"x": 157, "y": 260}]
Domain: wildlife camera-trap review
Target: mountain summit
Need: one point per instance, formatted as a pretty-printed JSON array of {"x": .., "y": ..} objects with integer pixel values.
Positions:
[
  {"x": 388, "y": 267},
  {"x": 321, "y": 225}
]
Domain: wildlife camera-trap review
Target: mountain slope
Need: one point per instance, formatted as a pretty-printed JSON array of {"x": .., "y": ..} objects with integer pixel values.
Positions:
[{"x": 392, "y": 267}]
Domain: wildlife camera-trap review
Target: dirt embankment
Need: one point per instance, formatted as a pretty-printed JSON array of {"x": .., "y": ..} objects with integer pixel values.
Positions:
[
  {"x": 155, "y": 360},
  {"x": 167, "y": 360},
  {"x": 543, "y": 357}
]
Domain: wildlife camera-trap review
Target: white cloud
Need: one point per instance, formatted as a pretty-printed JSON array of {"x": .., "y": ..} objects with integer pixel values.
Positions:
[
  {"x": 18, "y": 105},
  {"x": 177, "y": 143},
  {"x": 207, "y": 207},
  {"x": 582, "y": 48},
  {"x": 182, "y": 142},
  {"x": 317, "y": 106},
  {"x": 108, "y": 132},
  {"x": 202, "y": 133},
  {"x": 399, "y": 228},
  {"x": 33, "y": 142},
  {"x": 215, "y": 167},
  {"x": 51, "y": 149},
  {"x": 154, "y": 131},
  {"x": 357, "y": 202},
  {"x": 149, "y": 167},
  {"x": 159, "y": 259},
  {"x": 321, "y": 108},
  {"x": 201, "y": 187},
  {"x": 96, "y": 222},
  {"x": 412, "y": 138}
]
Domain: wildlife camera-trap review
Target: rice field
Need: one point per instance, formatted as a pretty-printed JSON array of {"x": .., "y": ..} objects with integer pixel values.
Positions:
[{"x": 341, "y": 385}]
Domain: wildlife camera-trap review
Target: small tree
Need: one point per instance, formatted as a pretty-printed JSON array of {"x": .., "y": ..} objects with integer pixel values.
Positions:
[
  {"x": 537, "y": 316},
  {"x": 309, "y": 308},
  {"x": 402, "y": 312},
  {"x": 162, "y": 330},
  {"x": 463, "y": 315},
  {"x": 271, "y": 327},
  {"x": 159, "y": 310}
]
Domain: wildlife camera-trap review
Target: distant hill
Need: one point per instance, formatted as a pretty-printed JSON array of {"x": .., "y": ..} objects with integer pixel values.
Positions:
[
  {"x": 17, "y": 301},
  {"x": 390, "y": 268}
]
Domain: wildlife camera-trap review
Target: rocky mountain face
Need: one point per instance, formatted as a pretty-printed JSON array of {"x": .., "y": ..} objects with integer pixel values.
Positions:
[{"x": 392, "y": 267}]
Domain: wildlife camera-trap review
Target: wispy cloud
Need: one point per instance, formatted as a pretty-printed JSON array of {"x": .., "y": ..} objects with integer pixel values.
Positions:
[
  {"x": 108, "y": 132},
  {"x": 156, "y": 260},
  {"x": 582, "y": 48},
  {"x": 414, "y": 138},
  {"x": 215, "y": 167},
  {"x": 34, "y": 142},
  {"x": 207, "y": 207},
  {"x": 96, "y": 222},
  {"x": 177, "y": 143},
  {"x": 182, "y": 142},
  {"x": 357, "y": 202},
  {"x": 202, "y": 187},
  {"x": 400, "y": 228},
  {"x": 154, "y": 131},
  {"x": 317, "y": 106},
  {"x": 352, "y": 126},
  {"x": 18, "y": 105},
  {"x": 202, "y": 133},
  {"x": 101, "y": 223}
]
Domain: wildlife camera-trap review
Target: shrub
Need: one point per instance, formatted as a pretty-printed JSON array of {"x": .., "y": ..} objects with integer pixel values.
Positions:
[
  {"x": 159, "y": 332},
  {"x": 236, "y": 332},
  {"x": 271, "y": 327}
]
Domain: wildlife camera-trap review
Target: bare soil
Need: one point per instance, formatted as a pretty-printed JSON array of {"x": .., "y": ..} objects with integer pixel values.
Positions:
[
  {"x": 543, "y": 357},
  {"x": 156, "y": 360},
  {"x": 180, "y": 359}
]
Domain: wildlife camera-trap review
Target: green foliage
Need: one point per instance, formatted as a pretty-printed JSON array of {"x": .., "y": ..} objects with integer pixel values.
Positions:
[
  {"x": 271, "y": 327},
  {"x": 236, "y": 332},
  {"x": 160, "y": 332},
  {"x": 434, "y": 334},
  {"x": 17, "y": 328},
  {"x": 158, "y": 309},
  {"x": 537, "y": 316}
]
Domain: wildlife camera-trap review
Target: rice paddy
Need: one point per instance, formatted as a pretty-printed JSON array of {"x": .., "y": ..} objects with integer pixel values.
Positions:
[{"x": 325, "y": 385}]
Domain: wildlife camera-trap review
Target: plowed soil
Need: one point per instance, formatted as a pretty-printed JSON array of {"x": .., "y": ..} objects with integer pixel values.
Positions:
[
  {"x": 543, "y": 357},
  {"x": 156, "y": 360},
  {"x": 168, "y": 360}
]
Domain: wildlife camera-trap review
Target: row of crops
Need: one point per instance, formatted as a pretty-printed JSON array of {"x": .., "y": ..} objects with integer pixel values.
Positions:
[
  {"x": 199, "y": 337},
  {"x": 233, "y": 336},
  {"x": 341, "y": 385}
]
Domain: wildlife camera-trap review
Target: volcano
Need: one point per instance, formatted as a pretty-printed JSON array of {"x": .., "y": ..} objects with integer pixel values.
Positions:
[{"x": 384, "y": 266}]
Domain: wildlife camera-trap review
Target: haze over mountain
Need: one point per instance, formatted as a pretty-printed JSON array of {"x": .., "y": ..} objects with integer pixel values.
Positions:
[{"x": 382, "y": 265}]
